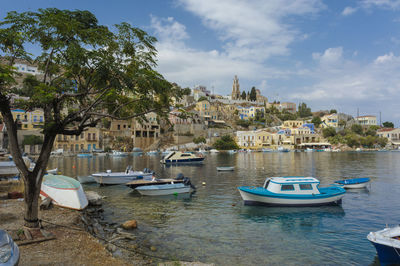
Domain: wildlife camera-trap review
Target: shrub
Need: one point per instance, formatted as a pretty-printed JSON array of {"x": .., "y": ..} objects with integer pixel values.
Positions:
[
  {"x": 226, "y": 143},
  {"x": 328, "y": 132},
  {"x": 356, "y": 128},
  {"x": 199, "y": 140},
  {"x": 32, "y": 140}
]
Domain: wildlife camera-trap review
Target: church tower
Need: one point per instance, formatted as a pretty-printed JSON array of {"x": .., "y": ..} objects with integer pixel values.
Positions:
[{"x": 235, "y": 89}]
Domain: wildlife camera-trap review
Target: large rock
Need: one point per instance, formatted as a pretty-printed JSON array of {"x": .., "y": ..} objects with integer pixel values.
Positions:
[
  {"x": 132, "y": 224},
  {"x": 93, "y": 198}
]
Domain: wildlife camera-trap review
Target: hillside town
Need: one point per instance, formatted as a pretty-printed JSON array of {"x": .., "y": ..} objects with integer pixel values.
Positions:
[{"x": 248, "y": 117}]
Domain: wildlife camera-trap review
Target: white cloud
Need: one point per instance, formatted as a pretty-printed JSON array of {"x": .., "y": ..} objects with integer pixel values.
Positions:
[
  {"x": 385, "y": 58},
  {"x": 391, "y": 4},
  {"x": 349, "y": 10},
  {"x": 254, "y": 29},
  {"x": 330, "y": 56}
]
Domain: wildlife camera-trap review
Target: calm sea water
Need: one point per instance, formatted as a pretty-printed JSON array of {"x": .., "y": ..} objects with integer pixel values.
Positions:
[{"x": 214, "y": 226}]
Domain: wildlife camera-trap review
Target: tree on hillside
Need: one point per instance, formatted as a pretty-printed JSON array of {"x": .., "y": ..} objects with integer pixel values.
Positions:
[
  {"x": 328, "y": 132},
  {"x": 243, "y": 96},
  {"x": 356, "y": 128},
  {"x": 89, "y": 73},
  {"x": 304, "y": 111},
  {"x": 253, "y": 94},
  {"x": 316, "y": 121},
  {"x": 388, "y": 124},
  {"x": 333, "y": 111}
]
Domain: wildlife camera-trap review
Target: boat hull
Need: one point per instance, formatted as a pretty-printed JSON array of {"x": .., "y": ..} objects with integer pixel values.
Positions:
[
  {"x": 354, "y": 183},
  {"x": 184, "y": 161},
  {"x": 107, "y": 179},
  {"x": 225, "y": 168},
  {"x": 63, "y": 191},
  {"x": 253, "y": 199},
  {"x": 160, "y": 191},
  {"x": 360, "y": 185},
  {"x": 387, "y": 245}
]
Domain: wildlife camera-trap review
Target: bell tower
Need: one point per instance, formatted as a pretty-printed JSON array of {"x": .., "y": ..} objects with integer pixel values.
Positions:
[{"x": 235, "y": 89}]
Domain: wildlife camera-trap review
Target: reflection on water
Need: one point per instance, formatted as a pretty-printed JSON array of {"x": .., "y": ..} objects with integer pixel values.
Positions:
[{"x": 214, "y": 226}]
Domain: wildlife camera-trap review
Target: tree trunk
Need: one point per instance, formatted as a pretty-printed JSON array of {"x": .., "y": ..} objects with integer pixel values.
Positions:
[{"x": 31, "y": 199}]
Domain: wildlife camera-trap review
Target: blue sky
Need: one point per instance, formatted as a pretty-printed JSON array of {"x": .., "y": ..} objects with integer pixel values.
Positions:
[{"x": 337, "y": 54}]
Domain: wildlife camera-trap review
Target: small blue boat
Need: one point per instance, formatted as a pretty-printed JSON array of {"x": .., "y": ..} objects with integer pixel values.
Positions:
[
  {"x": 387, "y": 245},
  {"x": 84, "y": 155},
  {"x": 354, "y": 182}
]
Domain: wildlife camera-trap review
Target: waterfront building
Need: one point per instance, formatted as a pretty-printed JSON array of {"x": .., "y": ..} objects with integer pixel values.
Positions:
[
  {"x": 28, "y": 120},
  {"x": 367, "y": 120},
  {"x": 207, "y": 110},
  {"x": 330, "y": 120},
  {"x": 88, "y": 140},
  {"x": 264, "y": 138},
  {"x": 392, "y": 134},
  {"x": 246, "y": 113},
  {"x": 235, "y": 89},
  {"x": 246, "y": 139}
]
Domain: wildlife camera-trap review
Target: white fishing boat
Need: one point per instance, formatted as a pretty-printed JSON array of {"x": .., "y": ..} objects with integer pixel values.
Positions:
[
  {"x": 309, "y": 150},
  {"x": 387, "y": 245},
  {"x": 177, "y": 157},
  {"x": 232, "y": 151},
  {"x": 225, "y": 168},
  {"x": 64, "y": 191},
  {"x": 115, "y": 178},
  {"x": 267, "y": 150},
  {"x": 166, "y": 189},
  {"x": 214, "y": 151},
  {"x": 291, "y": 191},
  {"x": 115, "y": 153},
  {"x": 152, "y": 153}
]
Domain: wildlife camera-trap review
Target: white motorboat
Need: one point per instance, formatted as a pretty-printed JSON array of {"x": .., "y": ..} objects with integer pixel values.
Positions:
[
  {"x": 166, "y": 189},
  {"x": 86, "y": 179},
  {"x": 152, "y": 153},
  {"x": 177, "y": 157},
  {"x": 52, "y": 171},
  {"x": 225, "y": 168},
  {"x": 267, "y": 150},
  {"x": 387, "y": 245},
  {"x": 64, "y": 191},
  {"x": 214, "y": 151},
  {"x": 291, "y": 191},
  {"x": 232, "y": 151},
  {"x": 115, "y": 178}
]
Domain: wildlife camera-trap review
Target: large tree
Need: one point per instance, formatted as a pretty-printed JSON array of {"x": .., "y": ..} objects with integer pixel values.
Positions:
[
  {"x": 253, "y": 94},
  {"x": 89, "y": 72}
]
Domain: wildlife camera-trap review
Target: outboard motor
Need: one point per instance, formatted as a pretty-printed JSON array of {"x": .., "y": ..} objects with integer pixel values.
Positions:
[
  {"x": 186, "y": 181},
  {"x": 179, "y": 176}
]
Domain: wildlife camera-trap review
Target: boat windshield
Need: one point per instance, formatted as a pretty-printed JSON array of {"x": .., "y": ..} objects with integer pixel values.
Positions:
[{"x": 267, "y": 183}]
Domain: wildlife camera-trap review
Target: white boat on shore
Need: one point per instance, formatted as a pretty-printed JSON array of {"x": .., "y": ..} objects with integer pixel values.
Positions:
[
  {"x": 116, "y": 178},
  {"x": 64, "y": 191},
  {"x": 86, "y": 179}
]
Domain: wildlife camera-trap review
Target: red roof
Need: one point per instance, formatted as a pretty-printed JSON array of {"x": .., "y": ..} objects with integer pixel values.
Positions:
[
  {"x": 386, "y": 129},
  {"x": 366, "y": 116}
]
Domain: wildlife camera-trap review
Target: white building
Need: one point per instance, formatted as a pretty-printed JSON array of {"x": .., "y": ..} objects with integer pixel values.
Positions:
[
  {"x": 367, "y": 120},
  {"x": 246, "y": 138},
  {"x": 24, "y": 68}
]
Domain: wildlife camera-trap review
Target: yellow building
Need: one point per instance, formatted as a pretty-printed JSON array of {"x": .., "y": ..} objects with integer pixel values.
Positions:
[
  {"x": 264, "y": 139},
  {"x": 292, "y": 124},
  {"x": 207, "y": 110},
  {"x": 28, "y": 120},
  {"x": 330, "y": 120},
  {"x": 89, "y": 140}
]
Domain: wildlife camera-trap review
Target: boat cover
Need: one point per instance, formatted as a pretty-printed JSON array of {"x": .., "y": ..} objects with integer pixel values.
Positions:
[{"x": 353, "y": 181}]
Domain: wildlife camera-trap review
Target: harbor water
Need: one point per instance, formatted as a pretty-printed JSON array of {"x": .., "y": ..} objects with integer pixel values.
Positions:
[{"x": 213, "y": 226}]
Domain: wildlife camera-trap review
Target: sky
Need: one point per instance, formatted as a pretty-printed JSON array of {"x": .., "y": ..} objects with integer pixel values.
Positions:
[{"x": 341, "y": 54}]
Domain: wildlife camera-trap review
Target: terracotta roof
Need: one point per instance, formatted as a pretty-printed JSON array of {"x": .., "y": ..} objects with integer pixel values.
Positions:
[
  {"x": 366, "y": 116},
  {"x": 386, "y": 129}
]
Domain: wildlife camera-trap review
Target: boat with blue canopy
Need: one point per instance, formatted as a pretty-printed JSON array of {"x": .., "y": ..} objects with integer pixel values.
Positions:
[
  {"x": 354, "y": 182},
  {"x": 292, "y": 191}
]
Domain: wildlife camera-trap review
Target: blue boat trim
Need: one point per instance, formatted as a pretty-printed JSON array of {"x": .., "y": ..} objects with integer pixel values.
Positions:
[
  {"x": 185, "y": 160},
  {"x": 353, "y": 181},
  {"x": 325, "y": 193}
]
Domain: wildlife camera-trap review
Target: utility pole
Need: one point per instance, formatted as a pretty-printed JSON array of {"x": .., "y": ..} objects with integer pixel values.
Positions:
[{"x": 380, "y": 118}]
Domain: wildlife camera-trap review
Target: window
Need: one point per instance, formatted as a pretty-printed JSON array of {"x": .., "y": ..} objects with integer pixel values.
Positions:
[
  {"x": 119, "y": 127},
  {"x": 287, "y": 187},
  {"x": 34, "y": 118},
  {"x": 82, "y": 135},
  {"x": 305, "y": 187}
]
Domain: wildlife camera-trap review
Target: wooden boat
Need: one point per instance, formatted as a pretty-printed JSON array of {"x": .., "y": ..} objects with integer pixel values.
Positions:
[
  {"x": 387, "y": 245},
  {"x": 64, "y": 191},
  {"x": 115, "y": 178},
  {"x": 166, "y": 189},
  {"x": 177, "y": 157},
  {"x": 225, "y": 168},
  {"x": 354, "y": 182},
  {"x": 291, "y": 191}
]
